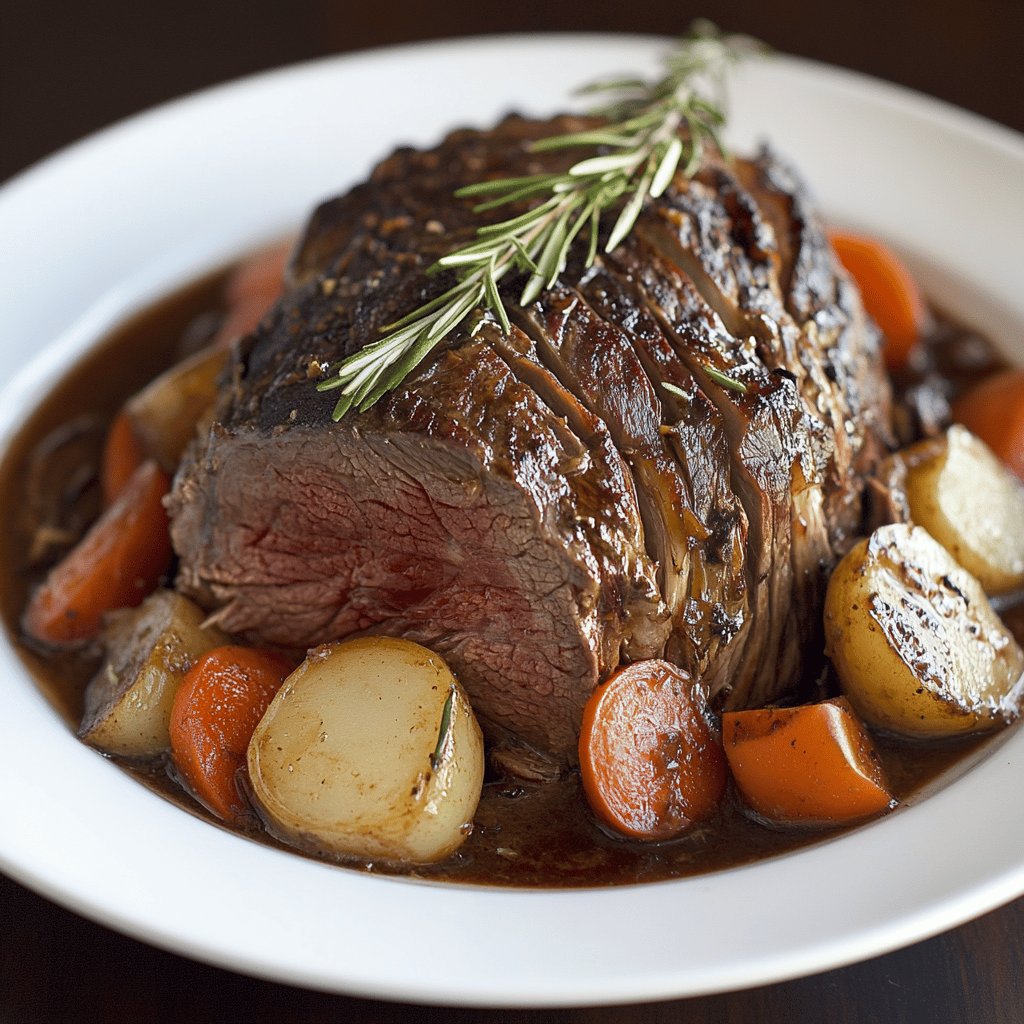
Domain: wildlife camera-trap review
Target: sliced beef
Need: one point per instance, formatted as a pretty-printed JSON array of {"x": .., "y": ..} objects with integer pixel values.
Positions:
[
  {"x": 595, "y": 358},
  {"x": 827, "y": 341},
  {"x": 463, "y": 515},
  {"x": 764, "y": 440},
  {"x": 587, "y": 489},
  {"x": 717, "y": 608}
]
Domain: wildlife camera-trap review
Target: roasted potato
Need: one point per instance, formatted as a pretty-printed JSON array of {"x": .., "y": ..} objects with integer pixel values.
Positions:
[
  {"x": 971, "y": 504},
  {"x": 168, "y": 411},
  {"x": 370, "y": 750},
  {"x": 916, "y": 645},
  {"x": 149, "y": 650}
]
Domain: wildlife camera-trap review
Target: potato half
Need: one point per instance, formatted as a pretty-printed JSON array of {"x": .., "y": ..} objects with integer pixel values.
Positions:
[
  {"x": 914, "y": 640},
  {"x": 370, "y": 750},
  {"x": 971, "y": 504},
  {"x": 149, "y": 650}
]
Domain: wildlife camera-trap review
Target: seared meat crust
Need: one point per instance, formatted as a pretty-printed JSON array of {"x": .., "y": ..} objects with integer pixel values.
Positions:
[{"x": 540, "y": 506}]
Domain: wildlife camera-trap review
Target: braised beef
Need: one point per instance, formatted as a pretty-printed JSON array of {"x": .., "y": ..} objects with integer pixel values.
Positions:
[{"x": 666, "y": 455}]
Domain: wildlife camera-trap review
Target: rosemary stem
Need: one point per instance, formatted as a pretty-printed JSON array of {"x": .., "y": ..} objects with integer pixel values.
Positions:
[{"x": 653, "y": 132}]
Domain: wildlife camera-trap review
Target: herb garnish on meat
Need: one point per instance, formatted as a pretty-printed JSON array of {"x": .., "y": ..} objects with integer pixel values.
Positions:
[{"x": 642, "y": 146}]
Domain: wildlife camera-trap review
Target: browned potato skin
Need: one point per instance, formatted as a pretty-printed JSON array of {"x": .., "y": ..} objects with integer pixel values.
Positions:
[
  {"x": 149, "y": 650},
  {"x": 916, "y": 645},
  {"x": 971, "y": 504},
  {"x": 169, "y": 410}
]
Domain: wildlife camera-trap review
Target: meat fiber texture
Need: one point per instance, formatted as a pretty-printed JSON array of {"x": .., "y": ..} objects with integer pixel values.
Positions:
[{"x": 541, "y": 506}]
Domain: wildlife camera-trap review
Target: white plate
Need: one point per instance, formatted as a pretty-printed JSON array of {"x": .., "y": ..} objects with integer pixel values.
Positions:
[{"x": 123, "y": 216}]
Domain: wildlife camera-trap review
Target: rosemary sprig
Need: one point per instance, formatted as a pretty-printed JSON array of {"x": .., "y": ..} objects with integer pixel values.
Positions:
[{"x": 651, "y": 132}]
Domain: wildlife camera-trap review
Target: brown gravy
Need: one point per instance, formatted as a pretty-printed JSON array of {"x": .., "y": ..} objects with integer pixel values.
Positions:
[{"x": 524, "y": 835}]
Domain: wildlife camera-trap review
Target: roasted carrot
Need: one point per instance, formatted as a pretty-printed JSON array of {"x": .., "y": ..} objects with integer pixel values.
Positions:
[
  {"x": 890, "y": 294},
  {"x": 809, "y": 764},
  {"x": 251, "y": 290},
  {"x": 122, "y": 456},
  {"x": 115, "y": 565},
  {"x": 216, "y": 709},
  {"x": 649, "y": 762},
  {"x": 994, "y": 411}
]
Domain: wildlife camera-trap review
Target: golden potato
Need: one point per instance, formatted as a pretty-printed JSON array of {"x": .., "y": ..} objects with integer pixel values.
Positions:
[
  {"x": 971, "y": 504},
  {"x": 148, "y": 651},
  {"x": 916, "y": 645},
  {"x": 370, "y": 750}
]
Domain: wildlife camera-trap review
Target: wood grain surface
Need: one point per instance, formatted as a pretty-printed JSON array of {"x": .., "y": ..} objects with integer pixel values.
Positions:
[{"x": 69, "y": 68}]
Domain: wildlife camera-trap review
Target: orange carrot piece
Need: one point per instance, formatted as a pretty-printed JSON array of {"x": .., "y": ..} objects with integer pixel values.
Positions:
[
  {"x": 810, "y": 764},
  {"x": 251, "y": 290},
  {"x": 115, "y": 565},
  {"x": 218, "y": 706},
  {"x": 122, "y": 456},
  {"x": 994, "y": 411},
  {"x": 650, "y": 765},
  {"x": 890, "y": 294}
]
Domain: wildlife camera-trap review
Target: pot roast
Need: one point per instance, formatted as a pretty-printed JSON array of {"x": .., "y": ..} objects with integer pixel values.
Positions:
[{"x": 665, "y": 457}]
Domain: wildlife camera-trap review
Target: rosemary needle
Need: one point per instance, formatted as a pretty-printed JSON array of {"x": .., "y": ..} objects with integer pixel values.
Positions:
[
  {"x": 652, "y": 132},
  {"x": 444, "y": 730},
  {"x": 720, "y": 378},
  {"x": 725, "y": 380}
]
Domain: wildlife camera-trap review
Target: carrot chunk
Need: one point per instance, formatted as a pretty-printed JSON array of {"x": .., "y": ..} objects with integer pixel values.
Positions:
[
  {"x": 811, "y": 764},
  {"x": 994, "y": 411},
  {"x": 251, "y": 290},
  {"x": 649, "y": 762},
  {"x": 122, "y": 456},
  {"x": 216, "y": 710},
  {"x": 115, "y": 565},
  {"x": 890, "y": 294}
]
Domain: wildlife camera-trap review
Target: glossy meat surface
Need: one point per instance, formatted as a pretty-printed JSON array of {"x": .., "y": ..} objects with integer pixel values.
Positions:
[{"x": 540, "y": 506}]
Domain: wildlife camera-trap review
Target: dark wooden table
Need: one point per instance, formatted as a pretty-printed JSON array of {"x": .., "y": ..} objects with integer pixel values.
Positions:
[{"x": 67, "y": 69}]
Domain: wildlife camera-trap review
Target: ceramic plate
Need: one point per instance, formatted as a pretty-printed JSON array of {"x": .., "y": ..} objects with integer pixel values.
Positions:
[{"x": 122, "y": 217}]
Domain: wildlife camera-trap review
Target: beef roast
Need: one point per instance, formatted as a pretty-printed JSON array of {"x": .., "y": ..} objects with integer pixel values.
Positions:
[{"x": 589, "y": 488}]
